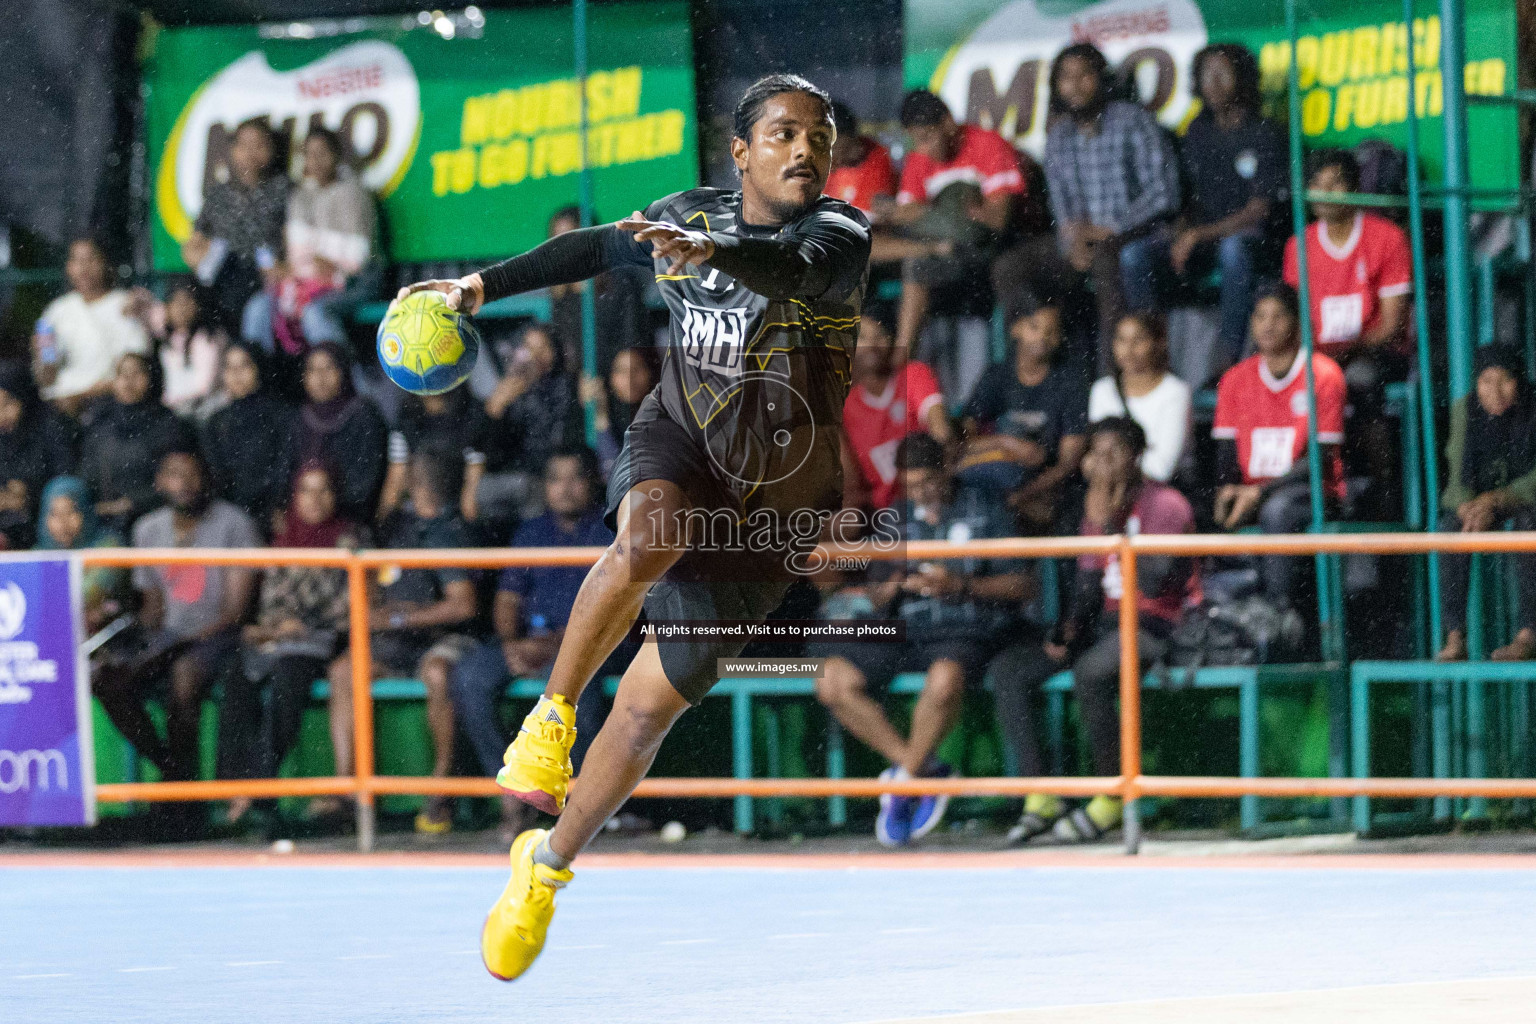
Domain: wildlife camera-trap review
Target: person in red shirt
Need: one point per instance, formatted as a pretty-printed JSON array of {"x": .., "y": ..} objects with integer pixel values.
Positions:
[
  {"x": 1261, "y": 435},
  {"x": 1120, "y": 499},
  {"x": 960, "y": 187},
  {"x": 890, "y": 399},
  {"x": 862, "y": 170},
  {"x": 1359, "y": 283}
]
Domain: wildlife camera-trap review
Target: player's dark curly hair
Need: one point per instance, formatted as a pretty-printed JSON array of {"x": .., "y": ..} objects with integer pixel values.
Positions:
[
  {"x": 750, "y": 109},
  {"x": 1095, "y": 59},
  {"x": 1245, "y": 69}
]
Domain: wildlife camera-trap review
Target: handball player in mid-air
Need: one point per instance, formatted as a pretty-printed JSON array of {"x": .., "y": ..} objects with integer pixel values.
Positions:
[{"x": 729, "y": 470}]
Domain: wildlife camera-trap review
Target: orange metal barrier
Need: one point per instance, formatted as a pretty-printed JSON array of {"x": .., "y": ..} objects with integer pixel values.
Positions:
[{"x": 364, "y": 784}]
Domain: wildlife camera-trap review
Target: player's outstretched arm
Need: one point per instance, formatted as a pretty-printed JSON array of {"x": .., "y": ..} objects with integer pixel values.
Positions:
[{"x": 565, "y": 259}]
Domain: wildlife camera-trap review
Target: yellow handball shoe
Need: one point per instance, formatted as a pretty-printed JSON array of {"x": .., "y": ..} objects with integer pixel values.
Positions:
[
  {"x": 513, "y": 935},
  {"x": 537, "y": 766}
]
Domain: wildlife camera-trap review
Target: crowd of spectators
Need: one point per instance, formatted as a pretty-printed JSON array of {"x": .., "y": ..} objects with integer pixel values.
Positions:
[{"x": 232, "y": 414}]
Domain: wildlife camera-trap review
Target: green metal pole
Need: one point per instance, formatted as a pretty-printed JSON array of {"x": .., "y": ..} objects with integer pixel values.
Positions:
[{"x": 588, "y": 297}]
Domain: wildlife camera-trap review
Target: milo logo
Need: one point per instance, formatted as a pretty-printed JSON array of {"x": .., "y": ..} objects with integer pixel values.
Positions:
[
  {"x": 366, "y": 91},
  {"x": 999, "y": 76}
]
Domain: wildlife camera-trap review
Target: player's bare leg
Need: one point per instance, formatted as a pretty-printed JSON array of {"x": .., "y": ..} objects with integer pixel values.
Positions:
[
  {"x": 644, "y": 711},
  {"x": 537, "y": 765}
]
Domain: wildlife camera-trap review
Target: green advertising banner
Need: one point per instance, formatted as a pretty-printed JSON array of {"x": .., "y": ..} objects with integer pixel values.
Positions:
[
  {"x": 990, "y": 60},
  {"x": 470, "y": 139}
]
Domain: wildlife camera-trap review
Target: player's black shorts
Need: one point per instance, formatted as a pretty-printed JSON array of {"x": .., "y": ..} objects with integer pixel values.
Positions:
[
  {"x": 881, "y": 663},
  {"x": 719, "y": 585}
]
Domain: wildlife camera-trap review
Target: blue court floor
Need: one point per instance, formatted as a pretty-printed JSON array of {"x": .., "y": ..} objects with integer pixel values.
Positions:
[{"x": 723, "y": 944}]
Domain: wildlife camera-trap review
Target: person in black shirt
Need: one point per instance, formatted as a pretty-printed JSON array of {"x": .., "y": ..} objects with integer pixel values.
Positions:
[
  {"x": 1027, "y": 423},
  {"x": 342, "y": 429},
  {"x": 617, "y": 302},
  {"x": 532, "y": 412},
  {"x": 1236, "y": 166},
  {"x": 125, "y": 439},
  {"x": 246, "y": 440},
  {"x": 764, "y": 288},
  {"x": 36, "y": 445}
]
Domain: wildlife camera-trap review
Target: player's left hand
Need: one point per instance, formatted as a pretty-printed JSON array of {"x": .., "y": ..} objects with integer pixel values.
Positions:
[{"x": 683, "y": 246}]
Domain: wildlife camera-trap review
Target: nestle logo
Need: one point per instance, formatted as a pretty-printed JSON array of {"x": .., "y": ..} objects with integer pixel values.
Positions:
[
  {"x": 1101, "y": 27},
  {"x": 340, "y": 81}
]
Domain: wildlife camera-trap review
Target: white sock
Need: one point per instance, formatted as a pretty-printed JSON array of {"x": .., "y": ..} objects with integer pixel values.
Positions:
[{"x": 542, "y": 854}]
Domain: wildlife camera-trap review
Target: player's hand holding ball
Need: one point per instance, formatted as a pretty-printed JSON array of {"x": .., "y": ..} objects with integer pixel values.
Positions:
[
  {"x": 426, "y": 342},
  {"x": 465, "y": 294}
]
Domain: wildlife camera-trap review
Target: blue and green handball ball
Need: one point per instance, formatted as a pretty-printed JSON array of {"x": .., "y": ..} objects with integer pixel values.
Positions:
[{"x": 424, "y": 346}]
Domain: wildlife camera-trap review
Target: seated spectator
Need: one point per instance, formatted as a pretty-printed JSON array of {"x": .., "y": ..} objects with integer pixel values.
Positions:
[
  {"x": 247, "y": 440},
  {"x": 36, "y": 444},
  {"x": 1261, "y": 435},
  {"x": 451, "y": 423},
  {"x": 1112, "y": 175},
  {"x": 301, "y": 620},
  {"x": 1119, "y": 500},
  {"x": 630, "y": 379},
  {"x": 1141, "y": 387},
  {"x": 82, "y": 334},
  {"x": 236, "y": 244},
  {"x": 329, "y": 237},
  {"x": 891, "y": 398},
  {"x": 862, "y": 170},
  {"x": 339, "y": 428},
  {"x": 126, "y": 440},
  {"x": 533, "y": 411},
  {"x": 531, "y": 609},
  {"x": 191, "y": 345},
  {"x": 68, "y": 522},
  {"x": 189, "y": 618},
  {"x": 960, "y": 185},
  {"x": 1359, "y": 279},
  {"x": 1491, "y": 479},
  {"x": 417, "y": 621},
  {"x": 618, "y": 302},
  {"x": 1025, "y": 425},
  {"x": 1236, "y": 165},
  {"x": 957, "y": 613}
]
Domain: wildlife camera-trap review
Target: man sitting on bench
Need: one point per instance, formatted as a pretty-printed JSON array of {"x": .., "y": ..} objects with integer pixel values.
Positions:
[
  {"x": 957, "y": 614},
  {"x": 1119, "y": 500}
]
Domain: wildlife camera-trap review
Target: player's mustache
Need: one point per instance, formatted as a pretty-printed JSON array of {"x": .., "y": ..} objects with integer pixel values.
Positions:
[{"x": 798, "y": 168}]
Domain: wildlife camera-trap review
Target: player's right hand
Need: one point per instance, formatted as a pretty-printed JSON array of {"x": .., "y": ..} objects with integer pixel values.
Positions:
[{"x": 466, "y": 294}]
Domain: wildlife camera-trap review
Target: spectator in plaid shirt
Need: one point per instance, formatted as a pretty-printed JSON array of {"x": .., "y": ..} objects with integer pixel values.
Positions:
[{"x": 1113, "y": 177}]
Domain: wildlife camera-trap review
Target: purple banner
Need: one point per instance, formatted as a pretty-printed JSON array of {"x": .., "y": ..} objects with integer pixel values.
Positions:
[{"x": 47, "y": 768}]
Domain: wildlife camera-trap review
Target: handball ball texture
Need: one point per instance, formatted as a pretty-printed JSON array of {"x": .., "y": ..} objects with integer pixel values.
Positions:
[{"x": 425, "y": 347}]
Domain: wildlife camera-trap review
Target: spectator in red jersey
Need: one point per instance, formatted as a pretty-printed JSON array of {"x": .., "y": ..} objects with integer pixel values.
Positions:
[
  {"x": 890, "y": 399},
  {"x": 861, "y": 167},
  {"x": 1261, "y": 434},
  {"x": 1120, "y": 499},
  {"x": 1359, "y": 278},
  {"x": 960, "y": 185}
]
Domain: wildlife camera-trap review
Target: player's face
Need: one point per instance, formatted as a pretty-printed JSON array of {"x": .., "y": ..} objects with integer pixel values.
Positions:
[
  {"x": 1273, "y": 327},
  {"x": 131, "y": 381},
  {"x": 567, "y": 491},
  {"x": 239, "y": 375},
  {"x": 1077, "y": 84},
  {"x": 314, "y": 498},
  {"x": 1496, "y": 390},
  {"x": 785, "y": 166}
]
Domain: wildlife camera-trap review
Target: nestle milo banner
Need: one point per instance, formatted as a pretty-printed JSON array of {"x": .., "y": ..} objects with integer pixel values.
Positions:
[
  {"x": 990, "y": 60},
  {"x": 47, "y": 771},
  {"x": 470, "y": 141}
]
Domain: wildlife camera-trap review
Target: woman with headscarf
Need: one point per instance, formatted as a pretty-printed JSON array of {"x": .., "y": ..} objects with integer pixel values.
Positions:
[
  {"x": 246, "y": 441},
  {"x": 300, "y": 619},
  {"x": 67, "y": 521},
  {"x": 340, "y": 428},
  {"x": 125, "y": 440},
  {"x": 36, "y": 444},
  {"x": 1491, "y": 463}
]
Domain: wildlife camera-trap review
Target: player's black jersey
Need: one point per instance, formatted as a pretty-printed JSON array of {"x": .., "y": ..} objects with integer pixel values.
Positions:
[{"x": 760, "y": 382}]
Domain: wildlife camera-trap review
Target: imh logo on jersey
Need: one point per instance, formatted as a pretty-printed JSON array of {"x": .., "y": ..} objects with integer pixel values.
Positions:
[
  {"x": 366, "y": 90},
  {"x": 714, "y": 339}
]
